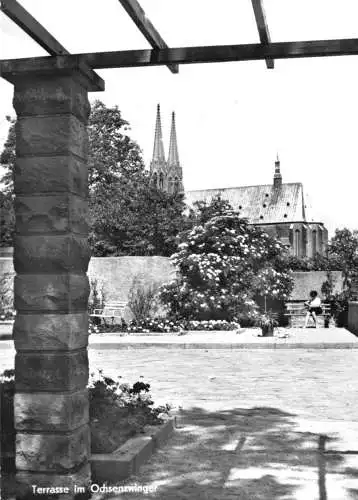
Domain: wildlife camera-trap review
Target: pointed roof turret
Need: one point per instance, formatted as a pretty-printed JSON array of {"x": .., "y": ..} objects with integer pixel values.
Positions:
[
  {"x": 158, "y": 150},
  {"x": 277, "y": 178},
  {"x": 173, "y": 156}
]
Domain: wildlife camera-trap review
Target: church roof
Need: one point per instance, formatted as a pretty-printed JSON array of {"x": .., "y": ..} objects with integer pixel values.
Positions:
[{"x": 262, "y": 204}]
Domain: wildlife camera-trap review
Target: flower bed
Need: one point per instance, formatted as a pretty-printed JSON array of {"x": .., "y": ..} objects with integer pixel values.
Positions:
[
  {"x": 161, "y": 325},
  {"x": 117, "y": 412}
]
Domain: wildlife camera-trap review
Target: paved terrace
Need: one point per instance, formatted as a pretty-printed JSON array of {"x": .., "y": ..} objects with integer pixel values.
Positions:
[{"x": 255, "y": 424}]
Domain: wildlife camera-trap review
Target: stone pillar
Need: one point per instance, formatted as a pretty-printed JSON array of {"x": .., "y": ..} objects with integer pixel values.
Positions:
[{"x": 51, "y": 287}]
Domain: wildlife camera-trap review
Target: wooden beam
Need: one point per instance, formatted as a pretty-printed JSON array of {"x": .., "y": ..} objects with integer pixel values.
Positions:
[
  {"x": 139, "y": 17},
  {"x": 33, "y": 28},
  {"x": 37, "y": 32},
  {"x": 184, "y": 55},
  {"x": 262, "y": 27}
]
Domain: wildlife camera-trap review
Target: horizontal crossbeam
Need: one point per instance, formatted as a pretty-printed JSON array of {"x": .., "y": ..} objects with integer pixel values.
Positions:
[
  {"x": 33, "y": 28},
  {"x": 262, "y": 27},
  {"x": 137, "y": 14},
  {"x": 185, "y": 55}
]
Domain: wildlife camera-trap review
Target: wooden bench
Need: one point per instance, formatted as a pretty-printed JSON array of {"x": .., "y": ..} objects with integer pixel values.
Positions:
[
  {"x": 296, "y": 311},
  {"x": 110, "y": 311}
]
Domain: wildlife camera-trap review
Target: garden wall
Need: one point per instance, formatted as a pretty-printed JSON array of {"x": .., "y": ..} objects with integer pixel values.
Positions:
[
  {"x": 117, "y": 275},
  {"x": 305, "y": 281}
]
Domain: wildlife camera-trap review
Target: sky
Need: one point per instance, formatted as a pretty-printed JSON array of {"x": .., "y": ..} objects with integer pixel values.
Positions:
[{"x": 232, "y": 118}]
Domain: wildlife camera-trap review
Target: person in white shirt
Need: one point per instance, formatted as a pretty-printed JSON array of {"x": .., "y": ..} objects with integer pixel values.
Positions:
[{"x": 314, "y": 307}]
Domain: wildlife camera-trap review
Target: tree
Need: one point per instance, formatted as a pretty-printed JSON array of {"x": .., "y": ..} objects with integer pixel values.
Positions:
[
  {"x": 7, "y": 212},
  {"x": 7, "y": 219},
  {"x": 128, "y": 215},
  {"x": 134, "y": 218},
  {"x": 343, "y": 253},
  {"x": 112, "y": 153},
  {"x": 222, "y": 265},
  {"x": 8, "y": 157}
]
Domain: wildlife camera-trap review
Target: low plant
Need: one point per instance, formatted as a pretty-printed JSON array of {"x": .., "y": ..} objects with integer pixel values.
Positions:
[
  {"x": 117, "y": 411},
  {"x": 142, "y": 299},
  {"x": 267, "y": 321},
  {"x": 97, "y": 296}
]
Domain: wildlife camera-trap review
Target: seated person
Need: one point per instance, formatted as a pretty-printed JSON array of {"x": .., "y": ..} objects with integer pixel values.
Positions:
[{"x": 313, "y": 308}]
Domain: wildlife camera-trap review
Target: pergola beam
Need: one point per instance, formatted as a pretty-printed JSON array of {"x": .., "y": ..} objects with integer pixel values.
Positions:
[
  {"x": 33, "y": 28},
  {"x": 137, "y": 14},
  {"x": 183, "y": 55},
  {"x": 262, "y": 27}
]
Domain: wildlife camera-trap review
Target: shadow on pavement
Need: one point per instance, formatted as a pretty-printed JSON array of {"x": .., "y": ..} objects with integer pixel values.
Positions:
[{"x": 242, "y": 454}]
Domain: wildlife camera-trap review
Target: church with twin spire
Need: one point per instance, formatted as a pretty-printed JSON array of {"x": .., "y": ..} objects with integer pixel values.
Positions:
[
  {"x": 167, "y": 175},
  {"x": 281, "y": 209}
]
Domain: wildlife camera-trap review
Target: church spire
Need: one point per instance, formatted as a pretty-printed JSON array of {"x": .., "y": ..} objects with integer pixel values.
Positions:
[
  {"x": 277, "y": 178},
  {"x": 173, "y": 157},
  {"x": 175, "y": 173},
  {"x": 158, "y": 150}
]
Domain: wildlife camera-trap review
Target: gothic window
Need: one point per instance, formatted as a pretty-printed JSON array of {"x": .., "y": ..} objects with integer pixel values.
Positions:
[
  {"x": 314, "y": 242},
  {"x": 161, "y": 181},
  {"x": 176, "y": 185},
  {"x": 319, "y": 241},
  {"x": 155, "y": 179},
  {"x": 170, "y": 186},
  {"x": 304, "y": 242},
  {"x": 297, "y": 243}
]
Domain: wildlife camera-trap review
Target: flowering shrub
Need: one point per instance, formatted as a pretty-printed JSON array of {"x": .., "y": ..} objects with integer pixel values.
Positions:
[
  {"x": 119, "y": 411},
  {"x": 222, "y": 265}
]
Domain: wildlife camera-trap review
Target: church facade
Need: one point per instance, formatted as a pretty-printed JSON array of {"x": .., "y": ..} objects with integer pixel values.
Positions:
[{"x": 281, "y": 209}]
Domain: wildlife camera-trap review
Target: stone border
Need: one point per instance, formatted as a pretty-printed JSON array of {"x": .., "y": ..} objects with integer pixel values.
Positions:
[
  {"x": 8, "y": 344},
  {"x": 122, "y": 463},
  {"x": 231, "y": 346}
]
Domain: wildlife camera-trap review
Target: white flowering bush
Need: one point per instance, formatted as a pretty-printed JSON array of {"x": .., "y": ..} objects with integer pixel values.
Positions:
[{"x": 222, "y": 265}]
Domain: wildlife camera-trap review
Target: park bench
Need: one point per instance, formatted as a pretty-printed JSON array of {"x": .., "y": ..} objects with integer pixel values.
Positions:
[
  {"x": 296, "y": 314},
  {"x": 110, "y": 312}
]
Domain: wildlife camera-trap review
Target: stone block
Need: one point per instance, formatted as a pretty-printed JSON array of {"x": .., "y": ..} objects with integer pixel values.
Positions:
[
  {"x": 51, "y": 412},
  {"x": 37, "y": 372},
  {"x": 72, "y": 480},
  {"x": 51, "y": 292},
  {"x": 119, "y": 465},
  {"x": 52, "y": 452},
  {"x": 49, "y": 96},
  {"x": 51, "y": 253},
  {"x": 50, "y": 332},
  {"x": 49, "y": 135},
  {"x": 49, "y": 214},
  {"x": 50, "y": 175}
]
